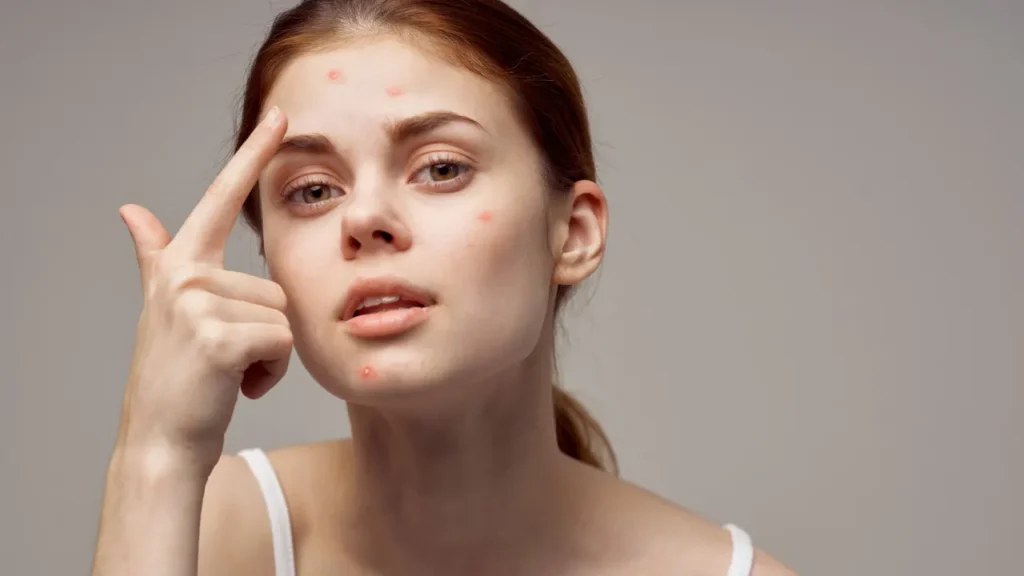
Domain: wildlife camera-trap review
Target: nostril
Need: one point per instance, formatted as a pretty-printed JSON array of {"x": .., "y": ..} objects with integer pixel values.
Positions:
[
  {"x": 385, "y": 236},
  {"x": 353, "y": 243}
]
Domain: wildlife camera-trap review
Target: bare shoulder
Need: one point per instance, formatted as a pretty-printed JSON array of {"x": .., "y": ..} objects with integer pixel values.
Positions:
[
  {"x": 234, "y": 533},
  {"x": 666, "y": 538}
]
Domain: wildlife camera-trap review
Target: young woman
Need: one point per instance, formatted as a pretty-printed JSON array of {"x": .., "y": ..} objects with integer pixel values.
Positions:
[{"x": 420, "y": 175}]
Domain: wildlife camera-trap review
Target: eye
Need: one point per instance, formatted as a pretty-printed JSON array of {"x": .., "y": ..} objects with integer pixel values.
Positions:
[
  {"x": 442, "y": 172},
  {"x": 315, "y": 193},
  {"x": 312, "y": 192}
]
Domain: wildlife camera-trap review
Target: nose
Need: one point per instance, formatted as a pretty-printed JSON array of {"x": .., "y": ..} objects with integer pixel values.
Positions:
[{"x": 371, "y": 224}]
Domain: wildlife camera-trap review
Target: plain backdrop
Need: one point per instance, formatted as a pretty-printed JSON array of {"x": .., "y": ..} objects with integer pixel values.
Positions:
[{"x": 810, "y": 321}]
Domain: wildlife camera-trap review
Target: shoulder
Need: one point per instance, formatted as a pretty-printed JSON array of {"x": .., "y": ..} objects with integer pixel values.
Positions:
[
  {"x": 670, "y": 539},
  {"x": 234, "y": 529},
  {"x": 234, "y": 536}
]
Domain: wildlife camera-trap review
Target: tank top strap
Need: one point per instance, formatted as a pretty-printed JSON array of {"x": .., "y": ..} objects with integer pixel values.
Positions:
[
  {"x": 277, "y": 509},
  {"x": 742, "y": 563}
]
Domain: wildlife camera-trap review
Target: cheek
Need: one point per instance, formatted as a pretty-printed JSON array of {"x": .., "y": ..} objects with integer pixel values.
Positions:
[
  {"x": 512, "y": 278},
  {"x": 507, "y": 240},
  {"x": 297, "y": 259},
  {"x": 505, "y": 265}
]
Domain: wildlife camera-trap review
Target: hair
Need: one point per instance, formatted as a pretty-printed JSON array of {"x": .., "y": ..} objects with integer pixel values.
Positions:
[{"x": 486, "y": 37}]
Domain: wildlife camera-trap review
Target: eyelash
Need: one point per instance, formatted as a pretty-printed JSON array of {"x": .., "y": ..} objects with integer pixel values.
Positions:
[
  {"x": 439, "y": 159},
  {"x": 444, "y": 159},
  {"x": 306, "y": 183}
]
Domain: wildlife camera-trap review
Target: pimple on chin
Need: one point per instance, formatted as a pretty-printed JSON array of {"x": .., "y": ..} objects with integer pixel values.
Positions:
[
  {"x": 368, "y": 373},
  {"x": 394, "y": 91},
  {"x": 485, "y": 216}
]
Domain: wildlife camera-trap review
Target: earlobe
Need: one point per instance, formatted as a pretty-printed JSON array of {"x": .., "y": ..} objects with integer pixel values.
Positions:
[{"x": 583, "y": 234}]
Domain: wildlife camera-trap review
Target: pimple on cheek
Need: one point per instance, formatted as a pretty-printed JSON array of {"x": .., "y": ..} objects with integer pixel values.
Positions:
[
  {"x": 394, "y": 91},
  {"x": 335, "y": 75},
  {"x": 485, "y": 216},
  {"x": 368, "y": 373}
]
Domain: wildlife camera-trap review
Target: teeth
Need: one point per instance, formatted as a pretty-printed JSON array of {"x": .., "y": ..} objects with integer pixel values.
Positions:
[{"x": 376, "y": 301}]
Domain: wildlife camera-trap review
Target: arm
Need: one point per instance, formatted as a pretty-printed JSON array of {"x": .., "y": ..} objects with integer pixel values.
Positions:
[
  {"x": 200, "y": 331},
  {"x": 149, "y": 523}
]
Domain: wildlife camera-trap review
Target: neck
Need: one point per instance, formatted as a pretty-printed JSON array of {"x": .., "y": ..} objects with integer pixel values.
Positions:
[{"x": 461, "y": 487}]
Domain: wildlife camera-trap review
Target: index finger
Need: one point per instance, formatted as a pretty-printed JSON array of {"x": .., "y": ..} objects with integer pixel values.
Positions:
[{"x": 205, "y": 231}]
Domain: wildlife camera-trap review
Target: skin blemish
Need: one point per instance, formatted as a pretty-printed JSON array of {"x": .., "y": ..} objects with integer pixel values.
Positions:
[
  {"x": 394, "y": 91},
  {"x": 334, "y": 75},
  {"x": 485, "y": 216},
  {"x": 368, "y": 373}
]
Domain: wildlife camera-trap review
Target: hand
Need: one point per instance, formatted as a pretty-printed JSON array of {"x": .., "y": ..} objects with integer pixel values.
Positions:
[{"x": 204, "y": 332}]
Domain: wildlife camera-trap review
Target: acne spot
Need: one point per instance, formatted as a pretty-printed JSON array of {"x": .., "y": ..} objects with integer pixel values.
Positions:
[
  {"x": 368, "y": 373},
  {"x": 334, "y": 75},
  {"x": 485, "y": 216},
  {"x": 394, "y": 91}
]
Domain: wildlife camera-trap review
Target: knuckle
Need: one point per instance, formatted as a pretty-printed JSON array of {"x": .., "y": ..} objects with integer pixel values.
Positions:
[
  {"x": 211, "y": 337},
  {"x": 280, "y": 296},
  {"x": 287, "y": 338},
  {"x": 275, "y": 293},
  {"x": 194, "y": 305},
  {"x": 284, "y": 341},
  {"x": 281, "y": 318},
  {"x": 183, "y": 278}
]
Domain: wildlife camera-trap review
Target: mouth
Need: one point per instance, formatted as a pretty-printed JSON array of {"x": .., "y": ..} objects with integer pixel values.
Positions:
[{"x": 381, "y": 296}]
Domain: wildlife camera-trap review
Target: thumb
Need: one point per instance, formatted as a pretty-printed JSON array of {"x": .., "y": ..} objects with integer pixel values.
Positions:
[{"x": 148, "y": 234}]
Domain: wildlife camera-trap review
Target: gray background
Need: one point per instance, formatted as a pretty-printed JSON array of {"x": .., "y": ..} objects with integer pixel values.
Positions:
[{"x": 810, "y": 320}]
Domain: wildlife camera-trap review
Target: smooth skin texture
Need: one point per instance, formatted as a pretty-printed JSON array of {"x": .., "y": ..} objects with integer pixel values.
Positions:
[
  {"x": 204, "y": 333},
  {"x": 453, "y": 467}
]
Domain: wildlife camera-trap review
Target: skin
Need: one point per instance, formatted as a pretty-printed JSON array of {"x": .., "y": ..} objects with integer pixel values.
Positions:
[{"x": 452, "y": 467}]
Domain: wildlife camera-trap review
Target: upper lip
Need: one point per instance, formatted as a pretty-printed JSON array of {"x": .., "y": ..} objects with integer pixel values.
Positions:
[{"x": 364, "y": 288}]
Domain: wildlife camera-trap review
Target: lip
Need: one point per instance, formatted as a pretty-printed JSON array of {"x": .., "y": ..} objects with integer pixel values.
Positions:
[
  {"x": 364, "y": 288},
  {"x": 386, "y": 324}
]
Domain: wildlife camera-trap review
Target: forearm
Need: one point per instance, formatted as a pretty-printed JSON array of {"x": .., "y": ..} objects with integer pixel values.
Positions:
[{"x": 149, "y": 523}]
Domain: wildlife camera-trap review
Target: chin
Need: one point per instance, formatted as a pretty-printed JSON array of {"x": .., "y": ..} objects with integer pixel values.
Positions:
[
  {"x": 428, "y": 366},
  {"x": 410, "y": 370}
]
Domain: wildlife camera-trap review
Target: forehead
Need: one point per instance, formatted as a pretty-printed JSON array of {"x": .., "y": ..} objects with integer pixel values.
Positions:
[{"x": 383, "y": 79}]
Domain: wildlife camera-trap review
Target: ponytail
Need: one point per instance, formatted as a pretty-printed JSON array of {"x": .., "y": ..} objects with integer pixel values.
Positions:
[{"x": 579, "y": 435}]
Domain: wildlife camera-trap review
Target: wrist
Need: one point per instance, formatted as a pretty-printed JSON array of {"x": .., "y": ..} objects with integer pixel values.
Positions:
[{"x": 155, "y": 464}]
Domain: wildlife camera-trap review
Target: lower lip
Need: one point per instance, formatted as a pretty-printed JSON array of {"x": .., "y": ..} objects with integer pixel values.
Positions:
[{"x": 387, "y": 323}]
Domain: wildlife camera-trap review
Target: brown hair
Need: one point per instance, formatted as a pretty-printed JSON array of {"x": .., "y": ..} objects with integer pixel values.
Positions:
[{"x": 486, "y": 37}]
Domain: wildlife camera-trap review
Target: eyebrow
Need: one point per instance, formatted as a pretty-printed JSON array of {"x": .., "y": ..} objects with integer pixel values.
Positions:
[
  {"x": 408, "y": 128},
  {"x": 316, "y": 144},
  {"x": 398, "y": 131}
]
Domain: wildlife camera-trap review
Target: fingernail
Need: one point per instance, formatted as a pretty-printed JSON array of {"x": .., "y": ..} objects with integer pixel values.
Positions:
[{"x": 272, "y": 116}]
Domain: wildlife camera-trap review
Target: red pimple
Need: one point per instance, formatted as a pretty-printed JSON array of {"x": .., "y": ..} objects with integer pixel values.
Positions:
[
  {"x": 369, "y": 373},
  {"x": 334, "y": 75},
  {"x": 394, "y": 91},
  {"x": 485, "y": 216}
]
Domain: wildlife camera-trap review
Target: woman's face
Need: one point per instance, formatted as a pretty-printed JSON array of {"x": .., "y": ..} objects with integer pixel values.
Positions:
[{"x": 406, "y": 176}]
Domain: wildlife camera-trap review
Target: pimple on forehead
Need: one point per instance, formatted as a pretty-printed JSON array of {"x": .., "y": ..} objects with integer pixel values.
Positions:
[
  {"x": 335, "y": 75},
  {"x": 394, "y": 91}
]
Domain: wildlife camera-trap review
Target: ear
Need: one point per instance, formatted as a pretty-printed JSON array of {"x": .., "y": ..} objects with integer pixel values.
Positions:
[{"x": 581, "y": 227}]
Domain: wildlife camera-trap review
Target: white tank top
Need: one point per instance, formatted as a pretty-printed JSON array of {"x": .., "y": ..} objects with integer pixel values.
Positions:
[{"x": 742, "y": 562}]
